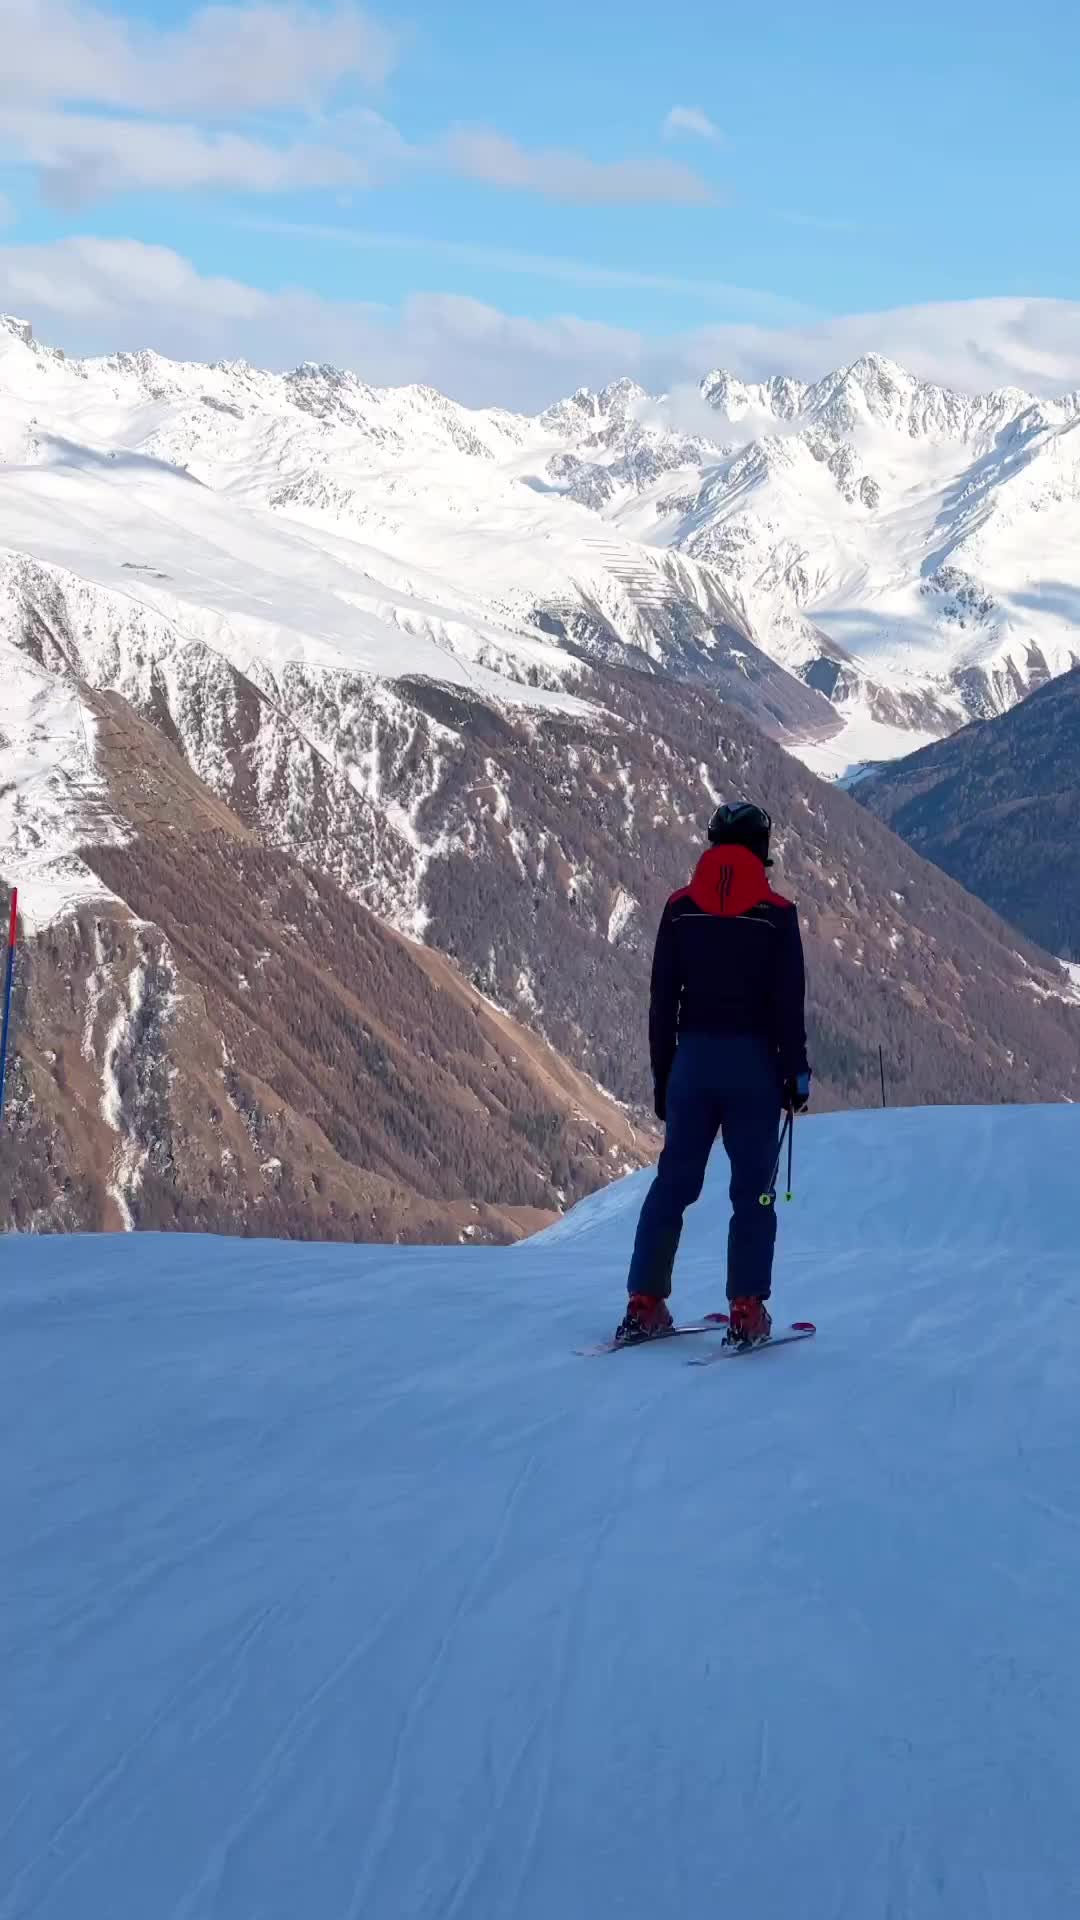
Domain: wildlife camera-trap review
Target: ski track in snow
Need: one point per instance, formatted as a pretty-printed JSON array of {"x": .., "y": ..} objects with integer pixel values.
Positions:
[{"x": 340, "y": 1587}]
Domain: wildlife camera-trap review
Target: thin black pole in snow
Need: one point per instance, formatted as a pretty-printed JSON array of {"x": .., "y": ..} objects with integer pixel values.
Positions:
[
  {"x": 768, "y": 1198},
  {"x": 790, "y": 1150},
  {"x": 881, "y": 1064},
  {"x": 8, "y": 979}
]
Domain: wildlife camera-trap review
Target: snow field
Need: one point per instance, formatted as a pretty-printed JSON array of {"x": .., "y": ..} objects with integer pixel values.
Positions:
[
  {"x": 309, "y": 519},
  {"x": 52, "y": 798},
  {"x": 338, "y": 1587}
]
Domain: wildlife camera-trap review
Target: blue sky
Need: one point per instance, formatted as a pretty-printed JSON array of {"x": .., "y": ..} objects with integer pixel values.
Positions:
[{"x": 561, "y": 186}]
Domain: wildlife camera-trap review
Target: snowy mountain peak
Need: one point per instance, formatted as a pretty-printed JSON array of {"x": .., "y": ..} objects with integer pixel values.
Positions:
[
  {"x": 621, "y": 397},
  {"x": 875, "y": 374},
  {"x": 877, "y": 392},
  {"x": 140, "y": 373},
  {"x": 872, "y": 390},
  {"x": 875, "y": 367},
  {"x": 617, "y": 404},
  {"x": 780, "y": 396},
  {"x": 326, "y": 392},
  {"x": 19, "y": 329}
]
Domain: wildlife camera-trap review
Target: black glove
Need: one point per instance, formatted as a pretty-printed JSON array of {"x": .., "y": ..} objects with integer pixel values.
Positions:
[
  {"x": 797, "y": 1092},
  {"x": 660, "y": 1101}
]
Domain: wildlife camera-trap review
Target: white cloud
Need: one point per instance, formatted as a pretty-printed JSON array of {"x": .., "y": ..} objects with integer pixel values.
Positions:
[
  {"x": 690, "y": 120},
  {"x": 82, "y": 157},
  {"x": 769, "y": 307},
  {"x": 218, "y": 68},
  {"x": 221, "y": 60},
  {"x": 480, "y": 153},
  {"x": 970, "y": 344},
  {"x": 100, "y": 104},
  {"x": 92, "y": 295},
  {"x": 96, "y": 296},
  {"x": 90, "y": 288}
]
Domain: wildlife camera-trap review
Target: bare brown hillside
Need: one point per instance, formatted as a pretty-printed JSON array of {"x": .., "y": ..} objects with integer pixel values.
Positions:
[{"x": 241, "y": 1047}]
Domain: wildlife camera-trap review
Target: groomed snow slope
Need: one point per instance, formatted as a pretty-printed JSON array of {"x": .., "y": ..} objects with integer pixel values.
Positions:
[{"x": 337, "y": 1587}]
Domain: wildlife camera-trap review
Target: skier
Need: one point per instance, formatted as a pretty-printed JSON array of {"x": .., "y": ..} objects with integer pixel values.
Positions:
[{"x": 727, "y": 1040}]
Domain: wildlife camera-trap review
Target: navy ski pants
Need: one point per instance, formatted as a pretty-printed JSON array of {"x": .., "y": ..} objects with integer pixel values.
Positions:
[{"x": 724, "y": 1084}]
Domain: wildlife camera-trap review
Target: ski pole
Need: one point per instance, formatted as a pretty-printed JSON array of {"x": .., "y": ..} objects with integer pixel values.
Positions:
[
  {"x": 8, "y": 980},
  {"x": 767, "y": 1198},
  {"x": 790, "y": 1148}
]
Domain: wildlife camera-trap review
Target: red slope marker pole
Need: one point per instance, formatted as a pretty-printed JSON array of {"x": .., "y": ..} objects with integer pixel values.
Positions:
[{"x": 9, "y": 978}]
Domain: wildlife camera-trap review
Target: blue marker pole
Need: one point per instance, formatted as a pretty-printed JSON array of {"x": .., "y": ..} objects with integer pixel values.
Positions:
[{"x": 8, "y": 982}]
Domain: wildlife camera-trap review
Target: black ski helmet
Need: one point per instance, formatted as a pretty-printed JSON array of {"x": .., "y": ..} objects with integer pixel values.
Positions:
[{"x": 741, "y": 824}]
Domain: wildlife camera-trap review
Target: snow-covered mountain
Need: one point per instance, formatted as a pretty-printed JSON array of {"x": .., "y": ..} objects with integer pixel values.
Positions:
[
  {"x": 909, "y": 551},
  {"x": 378, "y": 636},
  {"x": 336, "y": 1583},
  {"x": 185, "y": 523},
  {"x": 905, "y": 551}
]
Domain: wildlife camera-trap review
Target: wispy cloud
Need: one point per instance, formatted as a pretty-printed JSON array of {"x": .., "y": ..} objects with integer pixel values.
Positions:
[
  {"x": 99, "y": 106},
  {"x": 258, "y": 98},
  {"x": 479, "y": 153},
  {"x": 96, "y": 295},
  {"x": 817, "y": 222},
  {"x": 117, "y": 285},
  {"x": 82, "y": 157},
  {"x": 541, "y": 266},
  {"x": 220, "y": 61},
  {"x": 690, "y": 120}
]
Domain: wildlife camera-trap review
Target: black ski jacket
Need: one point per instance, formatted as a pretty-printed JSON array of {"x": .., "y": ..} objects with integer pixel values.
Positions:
[{"x": 728, "y": 959}]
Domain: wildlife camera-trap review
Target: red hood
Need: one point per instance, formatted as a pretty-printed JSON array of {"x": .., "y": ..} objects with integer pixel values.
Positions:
[{"x": 731, "y": 880}]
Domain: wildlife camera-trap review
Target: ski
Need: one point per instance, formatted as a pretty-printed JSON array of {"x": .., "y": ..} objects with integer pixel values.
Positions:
[
  {"x": 798, "y": 1330},
  {"x": 712, "y": 1323}
]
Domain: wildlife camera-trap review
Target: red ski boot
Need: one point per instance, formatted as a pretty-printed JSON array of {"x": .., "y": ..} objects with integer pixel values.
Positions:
[
  {"x": 749, "y": 1323},
  {"x": 646, "y": 1319}
]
